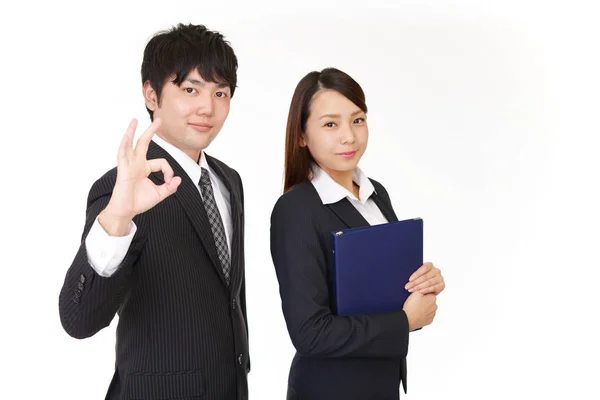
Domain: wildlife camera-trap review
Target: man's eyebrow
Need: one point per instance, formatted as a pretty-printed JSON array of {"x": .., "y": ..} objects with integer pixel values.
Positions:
[
  {"x": 195, "y": 82},
  {"x": 203, "y": 83}
]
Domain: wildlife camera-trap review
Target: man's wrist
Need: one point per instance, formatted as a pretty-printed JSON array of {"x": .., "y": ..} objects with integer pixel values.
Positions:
[{"x": 114, "y": 225}]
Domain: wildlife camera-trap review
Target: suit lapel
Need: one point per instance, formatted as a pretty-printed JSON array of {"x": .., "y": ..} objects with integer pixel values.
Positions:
[
  {"x": 188, "y": 195},
  {"x": 348, "y": 214},
  {"x": 354, "y": 219},
  {"x": 385, "y": 207}
]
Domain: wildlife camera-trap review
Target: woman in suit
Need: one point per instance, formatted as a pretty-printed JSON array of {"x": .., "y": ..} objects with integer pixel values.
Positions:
[{"x": 358, "y": 357}]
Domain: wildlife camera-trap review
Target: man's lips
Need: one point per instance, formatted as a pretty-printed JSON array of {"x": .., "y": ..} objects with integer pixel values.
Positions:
[{"x": 200, "y": 126}]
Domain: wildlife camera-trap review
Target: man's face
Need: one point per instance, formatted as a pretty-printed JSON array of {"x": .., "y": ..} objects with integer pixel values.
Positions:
[{"x": 192, "y": 114}]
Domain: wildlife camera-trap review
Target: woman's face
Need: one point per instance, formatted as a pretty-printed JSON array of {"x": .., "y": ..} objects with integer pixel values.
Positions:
[{"x": 336, "y": 132}]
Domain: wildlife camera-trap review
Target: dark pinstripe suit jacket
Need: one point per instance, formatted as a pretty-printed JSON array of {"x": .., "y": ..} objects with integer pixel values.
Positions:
[
  {"x": 182, "y": 332},
  {"x": 338, "y": 358}
]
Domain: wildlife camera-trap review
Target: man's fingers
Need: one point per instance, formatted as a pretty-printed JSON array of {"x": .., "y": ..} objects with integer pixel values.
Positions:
[
  {"x": 167, "y": 189},
  {"x": 141, "y": 147},
  {"x": 125, "y": 149},
  {"x": 160, "y": 164}
]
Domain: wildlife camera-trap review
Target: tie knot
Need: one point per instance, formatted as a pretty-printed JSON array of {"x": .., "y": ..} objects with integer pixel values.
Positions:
[{"x": 204, "y": 178}]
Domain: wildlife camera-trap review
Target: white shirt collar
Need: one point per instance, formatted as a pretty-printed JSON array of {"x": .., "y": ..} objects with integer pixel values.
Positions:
[
  {"x": 191, "y": 168},
  {"x": 331, "y": 192}
]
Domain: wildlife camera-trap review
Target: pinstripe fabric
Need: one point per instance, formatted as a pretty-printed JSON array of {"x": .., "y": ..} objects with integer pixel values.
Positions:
[
  {"x": 182, "y": 331},
  {"x": 358, "y": 357}
]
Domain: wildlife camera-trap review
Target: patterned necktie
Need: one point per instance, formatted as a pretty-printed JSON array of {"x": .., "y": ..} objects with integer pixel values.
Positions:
[{"x": 216, "y": 223}]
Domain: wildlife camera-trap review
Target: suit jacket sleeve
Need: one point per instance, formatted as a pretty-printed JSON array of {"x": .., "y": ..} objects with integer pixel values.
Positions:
[
  {"x": 301, "y": 265},
  {"x": 87, "y": 301}
]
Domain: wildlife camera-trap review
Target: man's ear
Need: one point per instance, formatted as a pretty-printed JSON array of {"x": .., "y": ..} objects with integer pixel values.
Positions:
[{"x": 150, "y": 96}]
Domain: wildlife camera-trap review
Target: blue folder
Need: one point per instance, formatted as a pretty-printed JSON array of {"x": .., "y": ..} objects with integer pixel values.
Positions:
[{"x": 372, "y": 264}]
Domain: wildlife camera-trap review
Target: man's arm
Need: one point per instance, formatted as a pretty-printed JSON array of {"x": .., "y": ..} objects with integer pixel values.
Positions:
[{"x": 88, "y": 301}]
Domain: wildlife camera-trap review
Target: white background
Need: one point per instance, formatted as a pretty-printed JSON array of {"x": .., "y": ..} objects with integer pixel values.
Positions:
[{"x": 483, "y": 121}]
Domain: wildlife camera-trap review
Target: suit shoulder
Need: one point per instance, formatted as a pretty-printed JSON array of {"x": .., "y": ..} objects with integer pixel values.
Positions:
[
  {"x": 103, "y": 186},
  {"x": 299, "y": 194},
  {"x": 298, "y": 207},
  {"x": 220, "y": 164},
  {"x": 299, "y": 198},
  {"x": 223, "y": 167}
]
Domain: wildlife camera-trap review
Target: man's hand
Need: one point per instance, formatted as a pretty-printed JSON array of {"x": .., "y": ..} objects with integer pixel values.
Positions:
[{"x": 134, "y": 192}]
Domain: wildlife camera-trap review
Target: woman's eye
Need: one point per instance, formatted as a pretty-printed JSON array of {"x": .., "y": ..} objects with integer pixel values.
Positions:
[
  {"x": 189, "y": 90},
  {"x": 330, "y": 124},
  {"x": 221, "y": 94},
  {"x": 359, "y": 120}
]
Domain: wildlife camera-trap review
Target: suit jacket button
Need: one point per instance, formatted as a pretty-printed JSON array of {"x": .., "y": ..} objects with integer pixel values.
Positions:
[
  {"x": 80, "y": 286},
  {"x": 233, "y": 304},
  {"x": 77, "y": 293},
  {"x": 81, "y": 278},
  {"x": 76, "y": 300},
  {"x": 240, "y": 359}
]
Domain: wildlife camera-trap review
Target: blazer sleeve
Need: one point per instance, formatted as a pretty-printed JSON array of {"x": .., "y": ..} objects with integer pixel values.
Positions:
[
  {"x": 88, "y": 302},
  {"x": 301, "y": 265}
]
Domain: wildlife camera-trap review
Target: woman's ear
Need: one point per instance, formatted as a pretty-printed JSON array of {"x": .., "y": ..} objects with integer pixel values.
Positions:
[{"x": 302, "y": 141}]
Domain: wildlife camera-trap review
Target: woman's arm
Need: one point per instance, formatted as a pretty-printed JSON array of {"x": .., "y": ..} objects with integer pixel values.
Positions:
[{"x": 301, "y": 266}]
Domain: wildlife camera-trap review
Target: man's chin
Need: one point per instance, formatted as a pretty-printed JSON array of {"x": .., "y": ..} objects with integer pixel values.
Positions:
[{"x": 198, "y": 144}]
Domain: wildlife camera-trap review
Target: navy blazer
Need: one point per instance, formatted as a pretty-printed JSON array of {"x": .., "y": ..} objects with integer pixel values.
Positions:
[{"x": 358, "y": 357}]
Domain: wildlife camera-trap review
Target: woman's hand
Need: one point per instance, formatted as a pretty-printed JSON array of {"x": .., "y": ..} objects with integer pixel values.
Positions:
[{"x": 427, "y": 279}]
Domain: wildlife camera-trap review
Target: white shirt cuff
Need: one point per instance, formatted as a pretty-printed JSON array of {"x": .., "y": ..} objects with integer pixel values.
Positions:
[{"x": 105, "y": 253}]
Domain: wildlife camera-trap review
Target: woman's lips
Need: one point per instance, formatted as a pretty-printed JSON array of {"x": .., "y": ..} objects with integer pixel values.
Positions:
[{"x": 348, "y": 154}]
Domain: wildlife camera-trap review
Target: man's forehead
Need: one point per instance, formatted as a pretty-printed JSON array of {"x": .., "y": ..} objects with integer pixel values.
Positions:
[{"x": 195, "y": 78}]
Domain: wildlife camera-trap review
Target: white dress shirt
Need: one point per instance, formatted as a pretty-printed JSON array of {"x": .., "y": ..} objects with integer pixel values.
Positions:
[
  {"x": 105, "y": 253},
  {"x": 331, "y": 192}
]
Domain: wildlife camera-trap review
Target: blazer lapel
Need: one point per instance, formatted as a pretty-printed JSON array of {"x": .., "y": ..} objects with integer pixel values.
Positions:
[
  {"x": 348, "y": 214},
  {"x": 385, "y": 207},
  {"x": 188, "y": 195},
  {"x": 353, "y": 219}
]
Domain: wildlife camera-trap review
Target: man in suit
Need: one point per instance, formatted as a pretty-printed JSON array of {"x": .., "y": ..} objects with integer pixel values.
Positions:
[{"x": 163, "y": 242}]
